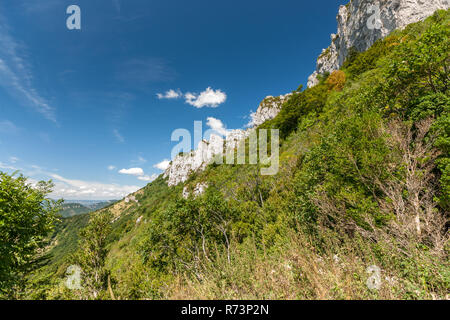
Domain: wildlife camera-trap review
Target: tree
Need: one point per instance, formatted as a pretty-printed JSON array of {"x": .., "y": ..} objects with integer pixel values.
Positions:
[
  {"x": 92, "y": 254},
  {"x": 26, "y": 218},
  {"x": 336, "y": 81}
]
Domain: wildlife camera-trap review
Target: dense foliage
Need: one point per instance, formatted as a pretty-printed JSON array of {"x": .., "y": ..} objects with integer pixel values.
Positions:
[{"x": 26, "y": 218}]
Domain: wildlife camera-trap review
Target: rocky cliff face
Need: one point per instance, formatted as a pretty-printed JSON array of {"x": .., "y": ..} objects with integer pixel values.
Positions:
[
  {"x": 268, "y": 109},
  {"x": 362, "y": 22},
  {"x": 185, "y": 164}
]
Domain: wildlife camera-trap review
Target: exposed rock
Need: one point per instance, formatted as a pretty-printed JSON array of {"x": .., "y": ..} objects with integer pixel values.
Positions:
[
  {"x": 198, "y": 190},
  {"x": 130, "y": 198},
  {"x": 185, "y": 193},
  {"x": 359, "y": 28},
  {"x": 268, "y": 109},
  {"x": 234, "y": 136},
  {"x": 185, "y": 164}
]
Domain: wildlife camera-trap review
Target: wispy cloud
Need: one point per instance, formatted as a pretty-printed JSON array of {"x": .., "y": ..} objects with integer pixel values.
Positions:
[
  {"x": 7, "y": 166},
  {"x": 118, "y": 136},
  {"x": 78, "y": 189},
  {"x": 111, "y": 168},
  {"x": 13, "y": 159},
  {"x": 143, "y": 71},
  {"x": 7, "y": 126},
  {"x": 16, "y": 75},
  {"x": 71, "y": 188},
  {"x": 140, "y": 160},
  {"x": 170, "y": 94}
]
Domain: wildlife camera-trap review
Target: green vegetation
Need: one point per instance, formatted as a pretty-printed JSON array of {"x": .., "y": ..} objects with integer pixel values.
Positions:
[
  {"x": 364, "y": 180},
  {"x": 26, "y": 218}
]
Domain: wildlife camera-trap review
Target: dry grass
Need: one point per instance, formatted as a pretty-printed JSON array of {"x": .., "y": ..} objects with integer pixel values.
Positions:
[{"x": 299, "y": 271}]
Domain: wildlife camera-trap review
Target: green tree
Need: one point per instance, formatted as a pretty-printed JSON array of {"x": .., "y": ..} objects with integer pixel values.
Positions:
[
  {"x": 92, "y": 254},
  {"x": 27, "y": 216}
]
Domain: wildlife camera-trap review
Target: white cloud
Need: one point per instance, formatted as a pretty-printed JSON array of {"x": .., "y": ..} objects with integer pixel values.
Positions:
[
  {"x": 148, "y": 178},
  {"x": 216, "y": 125},
  {"x": 189, "y": 96},
  {"x": 110, "y": 168},
  {"x": 208, "y": 98},
  {"x": 84, "y": 190},
  {"x": 16, "y": 75},
  {"x": 75, "y": 189},
  {"x": 139, "y": 173},
  {"x": 132, "y": 171},
  {"x": 163, "y": 165},
  {"x": 171, "y": 94}
]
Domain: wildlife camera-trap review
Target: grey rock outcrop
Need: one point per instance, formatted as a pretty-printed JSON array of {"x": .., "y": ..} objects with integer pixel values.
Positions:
[
  {"x": 362, "y": 22},
  {"x": 268, "y": 109}
]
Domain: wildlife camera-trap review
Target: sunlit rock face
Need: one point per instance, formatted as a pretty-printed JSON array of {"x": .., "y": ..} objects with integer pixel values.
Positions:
[
  {"x": 359, "y": 28},
  {"x": 268, "y": 109},
  {"x": 184, "y": 164}
]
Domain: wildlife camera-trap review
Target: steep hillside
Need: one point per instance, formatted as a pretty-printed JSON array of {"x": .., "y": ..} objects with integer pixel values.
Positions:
[{"x": 359, "y": 208}]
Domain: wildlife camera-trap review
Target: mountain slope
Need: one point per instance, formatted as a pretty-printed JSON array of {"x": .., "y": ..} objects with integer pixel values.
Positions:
[{"x": 358, "y": 210}]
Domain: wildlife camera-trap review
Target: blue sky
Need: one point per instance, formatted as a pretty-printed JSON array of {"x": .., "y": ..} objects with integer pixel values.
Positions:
[{"x": 83, "y": 107}]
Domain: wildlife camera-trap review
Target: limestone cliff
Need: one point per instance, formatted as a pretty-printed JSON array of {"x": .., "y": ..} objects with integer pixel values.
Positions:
[
  {"x": 362, "y": 22},
  {"x": 268, "y": 109}
]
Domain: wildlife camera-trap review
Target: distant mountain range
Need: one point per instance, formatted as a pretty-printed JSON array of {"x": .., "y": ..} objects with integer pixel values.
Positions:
[{"x": 75, "y": 207}]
